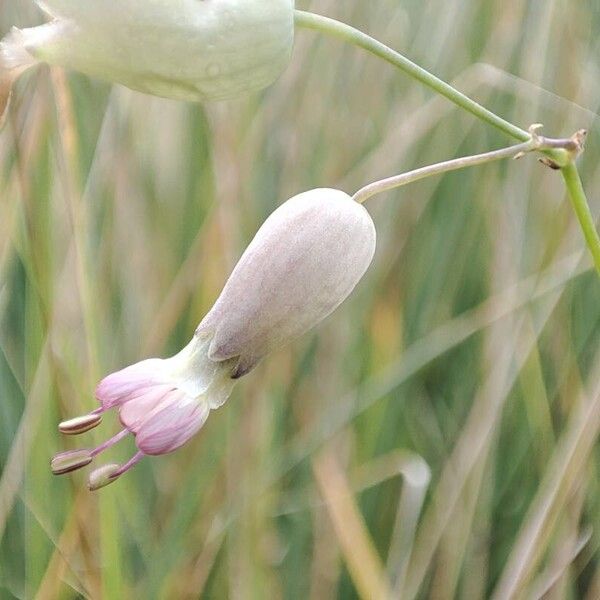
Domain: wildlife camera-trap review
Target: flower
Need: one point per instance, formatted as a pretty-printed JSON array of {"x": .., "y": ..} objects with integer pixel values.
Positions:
[
  {"x": 302, "y": 264},
  {"x": 182, "y": 49}
]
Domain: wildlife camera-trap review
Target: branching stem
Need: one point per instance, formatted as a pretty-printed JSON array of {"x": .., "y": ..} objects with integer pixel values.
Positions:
[
  {"x": 558, "y": 157},
  {"x": 536, "y": 143}
]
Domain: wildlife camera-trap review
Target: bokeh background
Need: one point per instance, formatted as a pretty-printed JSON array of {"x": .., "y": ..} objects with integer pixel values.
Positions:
[{"x": 435, "y": 438}]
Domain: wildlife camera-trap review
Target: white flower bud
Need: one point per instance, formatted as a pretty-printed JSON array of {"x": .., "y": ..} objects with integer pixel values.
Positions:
[
  {"x": 302, "y": 264},
  {"x": 182, "y": 49}
]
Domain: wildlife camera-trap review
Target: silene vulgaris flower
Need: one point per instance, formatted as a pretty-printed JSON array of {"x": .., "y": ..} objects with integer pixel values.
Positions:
[
  {"x": 302, "y": 264},
  {"x": 191, "y": 50}
]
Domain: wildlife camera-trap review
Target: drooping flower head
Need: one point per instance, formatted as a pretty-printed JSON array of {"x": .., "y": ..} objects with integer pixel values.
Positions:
[
  {"x": 302, "y": 264},
  {"x": 182, "y": 49}
]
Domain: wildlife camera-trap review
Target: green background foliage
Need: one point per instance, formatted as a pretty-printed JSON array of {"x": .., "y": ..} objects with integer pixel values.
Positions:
[{"x": 471, "y": 346}]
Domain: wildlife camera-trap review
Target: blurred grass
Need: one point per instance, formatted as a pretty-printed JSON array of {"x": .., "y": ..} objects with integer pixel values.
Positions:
[{"x": 471, "y": 347}]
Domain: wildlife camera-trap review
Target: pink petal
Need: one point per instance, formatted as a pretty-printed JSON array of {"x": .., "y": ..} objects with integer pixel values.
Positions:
[
  {"x": 139, "y": 408},
  {"x": 171, "y": 426},
  {"x": 131, "y": 382}
]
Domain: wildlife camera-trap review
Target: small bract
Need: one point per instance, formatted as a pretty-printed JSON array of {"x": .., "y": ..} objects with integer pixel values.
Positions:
[
  {"x": 183, "y": 49},
  {"x": 302, "y": 264}
]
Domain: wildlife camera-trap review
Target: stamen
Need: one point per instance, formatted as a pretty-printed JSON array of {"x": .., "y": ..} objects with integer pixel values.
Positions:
[
  {"x": 81, "y": 424},
  {"x": 102, "y": 476},
  {"x": 106, "y": 474},
  {"x": 71, "y": 460},
  {"x": 129, "y": 464},
  {"x": 111, "y": 442}
]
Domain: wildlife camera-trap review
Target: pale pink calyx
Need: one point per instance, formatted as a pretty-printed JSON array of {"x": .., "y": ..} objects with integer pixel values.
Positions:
[{"x": 302, "y": 264}]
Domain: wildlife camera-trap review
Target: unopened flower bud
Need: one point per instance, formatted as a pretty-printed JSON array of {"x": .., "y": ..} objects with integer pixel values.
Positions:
[
  {"x": 301, "y": 265},
  {"x": 182, "y": 49}
]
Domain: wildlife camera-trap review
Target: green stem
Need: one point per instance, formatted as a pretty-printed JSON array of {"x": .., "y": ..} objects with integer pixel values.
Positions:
[
  {"x": 366, "y": 42},
  {"x": 455, "y": 164},
  {"x": 582, "y": 210},
  {"x": 560, "y": 157}
]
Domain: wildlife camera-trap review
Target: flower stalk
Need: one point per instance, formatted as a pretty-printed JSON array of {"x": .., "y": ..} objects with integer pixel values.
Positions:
[
  {"x": 347, "y": 33},
  {"x": 571, "y": 147},
  {"x": 558, "y": 158}
]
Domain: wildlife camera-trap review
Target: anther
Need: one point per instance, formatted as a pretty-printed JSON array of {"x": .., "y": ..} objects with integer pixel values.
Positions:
[
  {"x": 80, "y": 424},
  {"x": 71, "y": 460}
]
